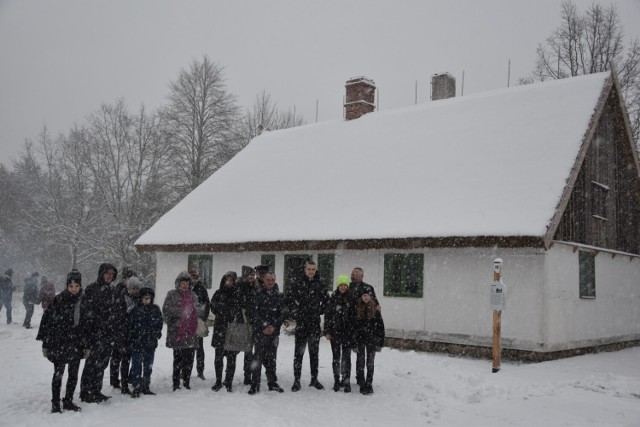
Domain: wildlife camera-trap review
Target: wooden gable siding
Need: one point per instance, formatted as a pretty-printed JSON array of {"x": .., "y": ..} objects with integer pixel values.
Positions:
[{"x": 604, "y": 207}]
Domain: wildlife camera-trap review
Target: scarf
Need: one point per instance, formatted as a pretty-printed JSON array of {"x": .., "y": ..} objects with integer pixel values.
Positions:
[{"x": 188, "y": 317}]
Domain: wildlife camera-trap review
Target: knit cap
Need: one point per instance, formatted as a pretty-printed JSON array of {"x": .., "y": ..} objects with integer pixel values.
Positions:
[
  {"x": 343, "y": 278},
  {"x": 133, "y": 283}
]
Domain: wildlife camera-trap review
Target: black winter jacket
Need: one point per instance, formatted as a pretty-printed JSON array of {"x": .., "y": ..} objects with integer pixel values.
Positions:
[
  {"x": 203, "y": 298},
  {"x": 61, "y": 329},
  {"x": 339, "y": 319},
  {"x": 369, "y": 331},
  {"x": 306, "y": 302},
  {"x": 227, "y": 305},
  {"x": 268, "y": 309},
  {"x": 145, "y": 323},
  {"x": 99, "y": 308}
]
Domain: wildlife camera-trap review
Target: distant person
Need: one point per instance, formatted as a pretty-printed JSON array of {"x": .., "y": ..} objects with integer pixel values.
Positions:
[
  {"x": 180, "y": 312},
  {"x": 203, "y": 298},
  {"x": 6, "y": 293},
  {"x": 30, "y": 297},
  {"x": 64, "y": 341},
  {"x": 47, "y": 292},
  {"x": 369, "y": 338},
  {"x": 121, "y": 354},
  {"x": 339, "y": 325},
  {"x": 306, "y": 302},
  {"x": 268, "y": 315},
  {"x": 98, "y": 307},
  {"x": 227, "y": 305},
  {"x": 145, "y": 323}
]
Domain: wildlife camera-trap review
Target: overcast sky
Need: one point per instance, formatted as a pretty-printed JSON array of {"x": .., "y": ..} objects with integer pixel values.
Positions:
[{"x": 59, "y": 60}]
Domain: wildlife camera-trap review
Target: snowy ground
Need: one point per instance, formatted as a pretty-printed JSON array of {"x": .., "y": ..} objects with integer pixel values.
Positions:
[{"x": 411, "y": 389}]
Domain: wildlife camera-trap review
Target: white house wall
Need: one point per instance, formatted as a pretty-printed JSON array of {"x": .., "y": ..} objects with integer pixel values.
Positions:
[
  {"x": 455, "y": 303},
  {"x": 612, "y": 316}
]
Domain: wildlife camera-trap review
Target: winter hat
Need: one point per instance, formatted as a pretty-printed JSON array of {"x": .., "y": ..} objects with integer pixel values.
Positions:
[
  {"x": 133, "y": 283},
  {"x": 246, "y": 270},
  {"x": 74, "y": 276},
  {"x": 184, "y": 275},
  {"x": 343, "y": 278}
]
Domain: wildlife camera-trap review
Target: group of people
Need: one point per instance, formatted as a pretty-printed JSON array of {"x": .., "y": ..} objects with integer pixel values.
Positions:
[
  {"x": 31, "y": 296},
  {"x": 117, "y": 324}
]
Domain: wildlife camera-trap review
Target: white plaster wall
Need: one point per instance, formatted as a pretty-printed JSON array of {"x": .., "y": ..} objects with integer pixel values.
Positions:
[{"x": 613, "y": 315}]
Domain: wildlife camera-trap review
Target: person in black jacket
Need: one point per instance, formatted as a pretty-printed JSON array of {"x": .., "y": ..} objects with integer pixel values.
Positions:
[
  {"x": 203, "y": 298},
  {"x": 369, "y": 338},
  {"x": 268, "y": 315},
  {"x": 306, "y": 302},
  {"x": 227, "y": 304},
  {"x": 63, "y": 340},
  {"x": 30, "y": 297},
  {"x": 145, "y": 326},
  {"x": 121, "y": 355},
  {"x": 98, "y": 308},
  {"x": 339, "y": 328},
  {"x": 357, "y": 287},
  {"x": 248, "y": 285}
]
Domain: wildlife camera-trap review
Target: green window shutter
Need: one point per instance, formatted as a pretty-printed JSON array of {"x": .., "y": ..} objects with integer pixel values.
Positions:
[
  {"x": 414, "y": 275},
  {"x": 326, "y": 263},
  {"x": 204, "y": 265},
  {"x": 393, "y": 274},
  {"x": 587, "y": 266},
  {"x": 403, "y": 275}
]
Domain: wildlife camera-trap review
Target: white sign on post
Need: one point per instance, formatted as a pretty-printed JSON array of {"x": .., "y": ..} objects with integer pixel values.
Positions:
[{"x": 498, "y": 291}]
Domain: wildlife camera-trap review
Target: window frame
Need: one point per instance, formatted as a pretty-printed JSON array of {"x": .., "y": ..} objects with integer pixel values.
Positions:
[
  {"x": 205, "y": 273},
  {"x": 587, "y": 274},
  {"x": 403, "y": 262}
]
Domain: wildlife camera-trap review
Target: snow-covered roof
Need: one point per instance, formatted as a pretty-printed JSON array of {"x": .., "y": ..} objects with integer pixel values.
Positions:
[{"x": 489, "y": 164}]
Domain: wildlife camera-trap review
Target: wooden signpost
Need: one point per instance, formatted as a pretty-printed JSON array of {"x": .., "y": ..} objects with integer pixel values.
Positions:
[{"x": 497, "y": 305}]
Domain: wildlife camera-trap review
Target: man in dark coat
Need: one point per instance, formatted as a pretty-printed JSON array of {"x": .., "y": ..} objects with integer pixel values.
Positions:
[
  {"x": 6, "y": 293},
  {"x": 203, "y": 299},
  {"x": 30, "y": 297},
  {"x": 98, "y": 308},
  {"x": 249, "y": 286},
  {"x": 306, "y": 302},
  {"x": 268, "y": 314},
  {"x": 121, "y": 355}
]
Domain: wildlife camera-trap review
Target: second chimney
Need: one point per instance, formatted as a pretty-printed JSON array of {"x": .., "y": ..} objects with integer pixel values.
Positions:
[
  {"x": 360, "y": 99},
  {"x": 443, "y": 86}
]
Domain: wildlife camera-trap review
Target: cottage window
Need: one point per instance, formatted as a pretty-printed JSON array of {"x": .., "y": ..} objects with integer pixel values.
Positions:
[
  {"x": 403, "y": 275},
  {"x": 325, "y": 269},
  {"x": 599, "y": 193},
  {"x": 587, "y": 262},
  {"x": 204, "y": 265},
  {"x": 269, "y": 260}
]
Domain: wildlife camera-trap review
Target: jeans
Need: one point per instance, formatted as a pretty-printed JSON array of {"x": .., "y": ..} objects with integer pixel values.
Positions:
[
  {"x": 6, "y": 301},
  {"x": 341, "y": 363},
  {"x": 365, "y": 352},
  {"x": 141, "y": 363},
  {"x": 301, "y": 342},
  {"x": 72, "y": 380}
]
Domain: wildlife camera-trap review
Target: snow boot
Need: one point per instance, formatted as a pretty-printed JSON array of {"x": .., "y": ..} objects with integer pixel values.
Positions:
[
  {"x": 217, "y": 386},
  {"x": 68, "y": 405},
  {"x": 55, "y": 407},
  {"x": 148, "y": 392},
  {"x": 276, "y": 387},
  {"x": 254, "y": 389},
  {"x": 336, "y": 384},
  {"x": 296, "y": 385},
  {"x": 347, "y": 388},
  {"x": 315, "y": 383}
]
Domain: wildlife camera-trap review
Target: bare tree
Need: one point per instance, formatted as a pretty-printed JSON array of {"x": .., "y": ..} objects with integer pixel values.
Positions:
[
  {"x": 591, "y": 43},
  {"x": 199, "y": 122},
  {"x": 265, "y": 115}
]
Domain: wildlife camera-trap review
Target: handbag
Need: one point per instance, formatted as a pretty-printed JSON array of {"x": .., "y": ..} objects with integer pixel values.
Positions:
[
  {"x": 202, "y": 330},
  {"x": 238, "y": 336}
]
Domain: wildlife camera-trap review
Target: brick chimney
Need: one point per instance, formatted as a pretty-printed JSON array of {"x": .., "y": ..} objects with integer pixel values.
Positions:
[
  {"x": 443, "y": 86},
  {"x": 360, "y": 99}
]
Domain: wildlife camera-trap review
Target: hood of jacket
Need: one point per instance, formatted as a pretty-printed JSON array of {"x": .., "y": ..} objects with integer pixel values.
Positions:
[
  {"x": 227, "y": 274},
  {"x": 104, "y": 267}
]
